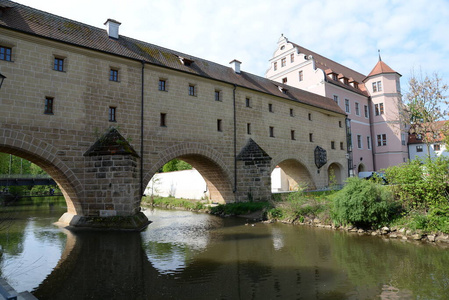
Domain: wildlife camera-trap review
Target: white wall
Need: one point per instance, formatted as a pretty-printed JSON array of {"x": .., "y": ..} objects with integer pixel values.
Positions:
[
  {"x": 189, "y": 184},
  {"x": 414, "y": 154}
]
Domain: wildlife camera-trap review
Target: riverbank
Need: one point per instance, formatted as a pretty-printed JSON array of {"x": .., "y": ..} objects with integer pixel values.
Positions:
[{"x": 306, "y": 209}]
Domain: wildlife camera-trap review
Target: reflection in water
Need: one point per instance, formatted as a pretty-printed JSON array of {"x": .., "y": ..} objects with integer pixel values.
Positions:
[{"x": 183, "y": 255}]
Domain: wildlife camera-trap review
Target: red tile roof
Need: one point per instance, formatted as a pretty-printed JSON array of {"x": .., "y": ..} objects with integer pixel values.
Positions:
[
  {"x": 17, "y": 17},
  {"x": 381, "y": 68},
  {"x": 439, "y": 125},
  {"x": 330, "y": 66}
]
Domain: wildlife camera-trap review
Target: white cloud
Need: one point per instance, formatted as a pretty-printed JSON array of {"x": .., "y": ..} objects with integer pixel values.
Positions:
[{"x": 410, "y": 34}]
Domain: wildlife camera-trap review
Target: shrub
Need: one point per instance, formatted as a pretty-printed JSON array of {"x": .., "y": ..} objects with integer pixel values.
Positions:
[
  {"x": 420, "y": 184},
  {"x": 363, "y": 203}
]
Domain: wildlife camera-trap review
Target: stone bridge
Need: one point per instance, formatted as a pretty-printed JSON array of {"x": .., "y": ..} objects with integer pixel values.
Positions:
[{"x": 102, "y": 114}]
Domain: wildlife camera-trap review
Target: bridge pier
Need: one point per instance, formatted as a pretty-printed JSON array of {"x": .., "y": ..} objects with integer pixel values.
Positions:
[
  {"x": 111, "y": 197},
  {"x": 254, "y": 178}
]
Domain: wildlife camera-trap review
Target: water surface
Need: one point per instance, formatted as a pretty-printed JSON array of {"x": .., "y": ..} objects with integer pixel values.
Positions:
[{"x": 184, "y": 255}]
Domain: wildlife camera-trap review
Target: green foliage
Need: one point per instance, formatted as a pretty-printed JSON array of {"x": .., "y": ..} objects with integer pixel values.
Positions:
[
  {"x": 420, "y": 184},
  {"x": 240, "y": 208},
  {"x": 363, "y": 203},
  {"x": 297, "y": 206},
  {"x": 170, "y": 202},
  {"x": 176, "y": 165}
]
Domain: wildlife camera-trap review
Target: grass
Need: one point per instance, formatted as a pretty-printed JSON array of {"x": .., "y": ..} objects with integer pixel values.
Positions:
[{"x": 171, "y": 202}]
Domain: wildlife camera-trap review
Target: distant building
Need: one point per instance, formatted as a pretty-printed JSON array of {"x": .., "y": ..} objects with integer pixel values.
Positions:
[
  {"x": 417, "y": 148},
  {"x": 375, "y": 140}
]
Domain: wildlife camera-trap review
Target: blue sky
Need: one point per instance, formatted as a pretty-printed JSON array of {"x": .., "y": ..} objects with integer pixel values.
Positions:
[{"x": 411, "y": 34}]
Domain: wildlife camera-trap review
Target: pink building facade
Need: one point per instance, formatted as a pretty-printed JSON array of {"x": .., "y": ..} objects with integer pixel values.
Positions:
[{"x": 376, "y": 140}]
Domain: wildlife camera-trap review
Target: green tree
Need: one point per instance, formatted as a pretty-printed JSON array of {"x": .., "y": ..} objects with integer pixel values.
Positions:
[
  {"x": 423, "y": 107},
  {"x": 176, "y": 165}
]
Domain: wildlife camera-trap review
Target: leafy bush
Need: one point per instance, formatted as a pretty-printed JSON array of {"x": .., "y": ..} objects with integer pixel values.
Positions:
[
  {"x": 363, "y": 203},
  {"x": 420, "y": 184}
]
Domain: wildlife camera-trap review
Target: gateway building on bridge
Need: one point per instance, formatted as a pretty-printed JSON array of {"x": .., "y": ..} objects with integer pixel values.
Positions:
[
  {"x": 102, "y": 113},
  {"x": 377, "y": 139}
]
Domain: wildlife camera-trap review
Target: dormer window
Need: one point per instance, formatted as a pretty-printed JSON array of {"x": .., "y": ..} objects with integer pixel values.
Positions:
[
  {"x": 334, "y": 76},
  {"x": 185, "y": 61},
  {"x": 282, "y": 89},
  {"x": 345, "y": 81}
]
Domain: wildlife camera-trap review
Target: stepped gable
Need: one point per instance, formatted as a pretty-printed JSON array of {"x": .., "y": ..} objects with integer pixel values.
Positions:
[
  {"x": 252, "y": 151},
  {"x": 111, "y": 143},
  {"x": 18, "y": 17}
]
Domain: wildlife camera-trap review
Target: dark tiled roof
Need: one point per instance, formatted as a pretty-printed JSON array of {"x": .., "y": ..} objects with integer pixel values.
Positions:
[
  {"x": 28, "y": 20},
  {"x": 325, "y": 63}
]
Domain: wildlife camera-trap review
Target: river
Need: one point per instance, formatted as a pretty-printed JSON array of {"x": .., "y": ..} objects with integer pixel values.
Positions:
[{"x": 184, "y": 255}]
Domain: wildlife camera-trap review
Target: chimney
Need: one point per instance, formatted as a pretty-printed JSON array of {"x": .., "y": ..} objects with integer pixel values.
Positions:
[
  {"x": 112, "y": 28},
  {"x": 235, "y": 65}
]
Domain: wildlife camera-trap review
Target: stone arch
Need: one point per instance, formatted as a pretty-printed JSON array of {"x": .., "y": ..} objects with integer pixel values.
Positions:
[
  {"x": 334, "y": 174},
  {"x": 43, "y": 155},
  {"x": 296, "y": 172},
  {"x": 207, "y": 161}
]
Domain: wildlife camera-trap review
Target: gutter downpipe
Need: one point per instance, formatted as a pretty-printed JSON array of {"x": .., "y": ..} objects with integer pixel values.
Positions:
[
  {"x": 371, "y": 127},
  {"x": 141, "y": 129},
  {"x": 235, "y": 141}
]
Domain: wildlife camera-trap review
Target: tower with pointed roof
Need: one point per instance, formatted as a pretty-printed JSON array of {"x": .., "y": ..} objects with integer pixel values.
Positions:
[
  {"x": 370, "y": 112},
  {"x": 389, "y": 135}
]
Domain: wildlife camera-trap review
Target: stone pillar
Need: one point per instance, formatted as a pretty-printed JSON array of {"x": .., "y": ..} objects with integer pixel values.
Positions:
[
  {"x": 111, "y": 197},
  {"x": 254, "y": 176}
]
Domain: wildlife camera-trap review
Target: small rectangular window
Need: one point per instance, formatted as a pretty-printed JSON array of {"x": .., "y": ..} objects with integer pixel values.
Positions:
[
  {"x": 357, "y": 109},
  {"x": 275, "y": 66},
  {"x": 192, "y": 90},
  {"x": 376, "y": 109},
  {"x": 340, "y": 124},
  {"x": 381, "y": 140},
  {"x": 248, "y": 128},
  {"x": 270, "y": 107},
  {"x": 359, "y": 141},
  {"x": 59, "y": 64},
  {"x": 219, "y": 125},
  {"x": 112, "y": 114},
  {"x": 347, "y": 106},
  {"x": 5, "y": 53},
  {"x": 292, "y": 134},
  {"x": 113, "y": 75},
  {"x": 284, "y": 80},
  {"x": 271, "y": 131},
  {"x": 436, "y": 147},
  {"x": 332, "y": 145},
  {"x": 292, "y": 57},
  {"x": 283, "y": 62},
  {"x": 310, "y": 117},
  {"x": 48, "y": 109},
  {"x": 381, "y": 108},
  {"x": 162, "y": 86},
  {"x": 374, "y": 87},
  {"x": 368, "y": 142},
  {"x": 379, "y": 86},
  {"x": 310, "y": 137},
  {"x": 217, "y": 95},
  {"x": 291, "y": 112},
  {"x": 342, "y": 147},
  {"x": 163, "y": 120},
  {"x": 248, "y": 102},
  {"x": 366, "y": 111},
  {"x": 419, "y": 148},
  {"x": 300, "y": 76}
]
